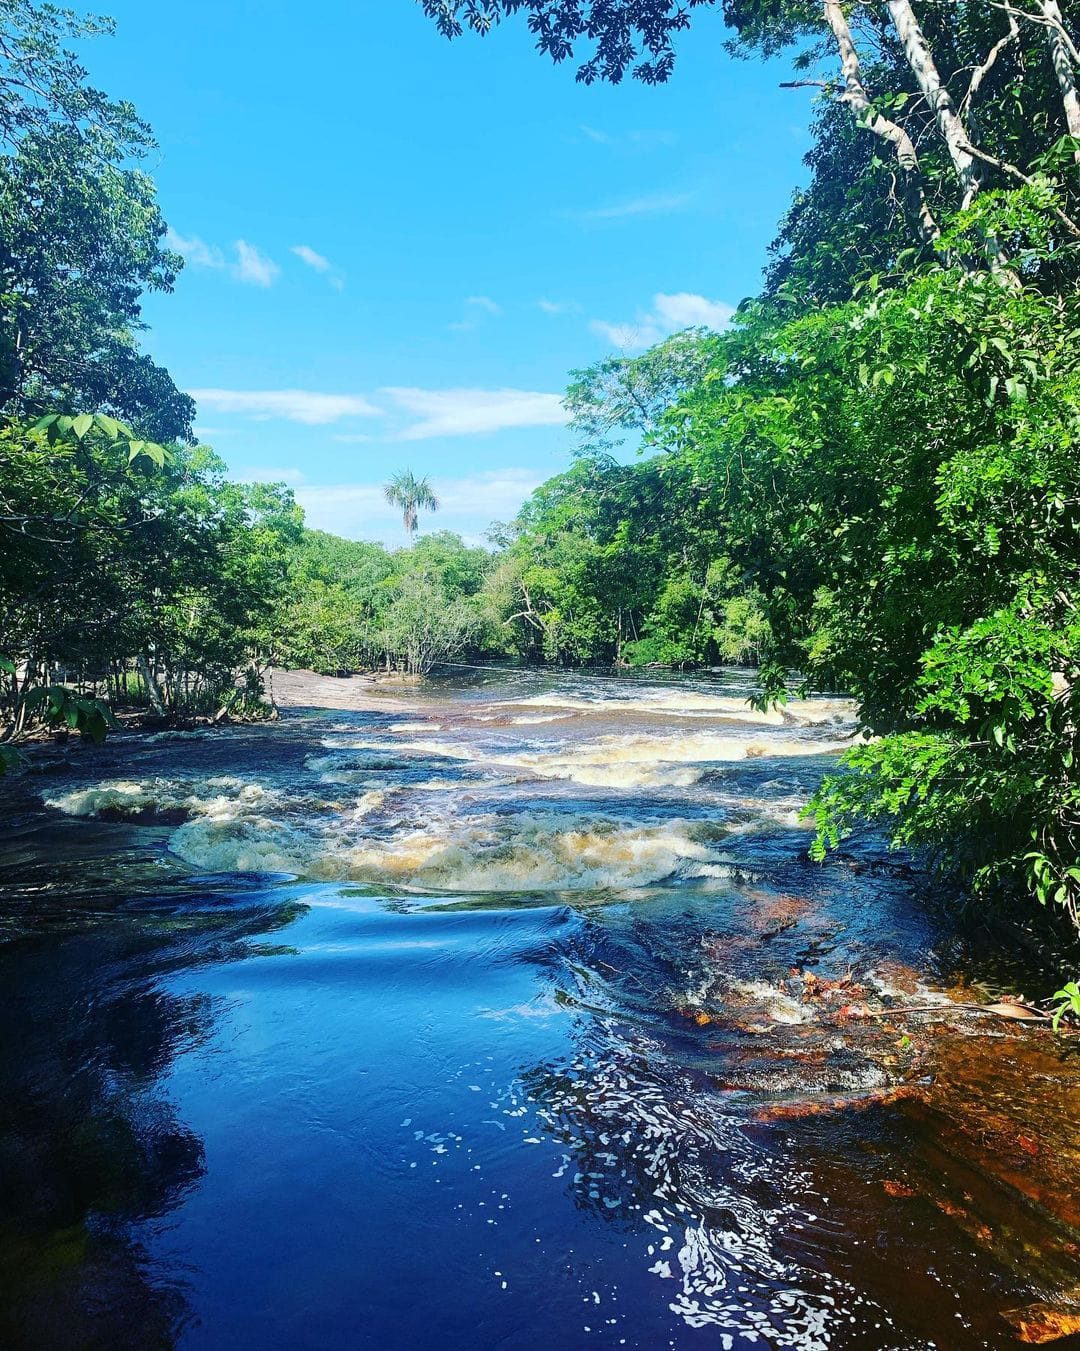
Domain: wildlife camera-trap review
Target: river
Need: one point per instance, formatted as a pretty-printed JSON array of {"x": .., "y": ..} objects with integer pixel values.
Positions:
[{"x": 506, "y": 1012}]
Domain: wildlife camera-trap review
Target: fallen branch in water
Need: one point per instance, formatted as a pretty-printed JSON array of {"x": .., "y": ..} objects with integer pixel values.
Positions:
[{"x": 1005, "y": 1009}]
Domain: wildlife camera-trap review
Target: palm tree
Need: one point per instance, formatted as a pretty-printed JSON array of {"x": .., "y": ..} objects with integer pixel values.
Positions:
[{"x": 410, "y": 493}]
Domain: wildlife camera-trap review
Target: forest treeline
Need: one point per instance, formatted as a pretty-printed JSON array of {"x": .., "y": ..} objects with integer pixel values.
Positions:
[{"x": 871, "y": 478}]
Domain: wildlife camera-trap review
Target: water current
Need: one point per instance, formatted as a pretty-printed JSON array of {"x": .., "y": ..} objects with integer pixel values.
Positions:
[{"x": 506, "y": 1012}]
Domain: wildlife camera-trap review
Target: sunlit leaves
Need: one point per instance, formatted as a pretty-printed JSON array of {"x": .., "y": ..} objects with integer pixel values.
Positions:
[
  {"x": 624, "y": 36},
  {"x": 103, "y": 430}
]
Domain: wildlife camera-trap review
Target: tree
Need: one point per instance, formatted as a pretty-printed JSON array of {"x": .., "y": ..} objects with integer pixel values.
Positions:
[
  {"x": 631, "y": 394},
  {"x": 411, "y": 494},
  {"x": 43, "y": 85},
  {"x": 80, "y": 240},
  {"x": 898, "y": 475}
]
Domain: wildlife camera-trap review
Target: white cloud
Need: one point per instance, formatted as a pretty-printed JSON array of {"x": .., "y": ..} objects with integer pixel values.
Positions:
[
  {"x": 427, "y": 412},
  {"x": 557, "y": 307},
  {"x": 195, "y": 250},
  {"x": 467, "y": 505},
  {"x": 669, "y": 314},
  {"x": 658, "y": 204},
  {"x": 475, "y": 306},
  {"x": 462, "y": 412},
  {"x": 355, "y": 510},
  {"x": 634, "y": 140},
  {"x": 494, "y": 495},
  {"x": 321, "y": 264},
  {"x": 600, "y": 137},
  {"x": 684, "y": 310},
  {"x": 627, "y": 336},
  {"x": 262, "y": 473},
  {"x": 294, "y": 405},
  {"x": 253, "y": 266},
  {"x": 307, "y": 254}
]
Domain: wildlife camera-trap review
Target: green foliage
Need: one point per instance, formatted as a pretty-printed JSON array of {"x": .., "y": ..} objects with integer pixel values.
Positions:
[
  {"x": 1068, "y": 998},
  {"x": 60, "y": 707},
  {"x": 80, "y": 240},
  {"x": 631, "y": 394},
  {"x": 43, "y": 84},
  {"x": 898, "y": 475},
  {"x": 118, "y": 551},
  {"x": 353, "y": 605}
]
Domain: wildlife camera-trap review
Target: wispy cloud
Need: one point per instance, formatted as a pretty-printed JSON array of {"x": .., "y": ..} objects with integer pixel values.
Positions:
[
  {"x": 557, "y": 307},
  {"x": 253, "y": 266},
  {"x": 463, "y": 412},
  {"x": 594, "y": 134},
  {"x": 271, "y": 474},
  {"x": 195, "y": 250},
  {"x": 669, "y": 313},
  {"x": 475, "y": 308},
  {"x": 249, "y": 265},
  {"x": 426, "y": 413},
  {"x": 655, "y": 205},
  {"x": 635, "y": 140},
  {"x": 467, "y": 504},
  {"x": 294, "y": 405},
  {"x": 318, "y": 262},
  {"x": 307, "y": 254}
]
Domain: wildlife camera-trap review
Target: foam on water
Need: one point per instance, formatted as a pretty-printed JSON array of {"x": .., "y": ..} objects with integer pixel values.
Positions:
[
  {"x": 677, "y": 702},
  {"x": 484, "y": 853},
  {"x": 643, "y": 1136},
  {"x": 620, "y": 761},
  {"x": 219, "y": 796},
  {"x": 414, "y": 800}
]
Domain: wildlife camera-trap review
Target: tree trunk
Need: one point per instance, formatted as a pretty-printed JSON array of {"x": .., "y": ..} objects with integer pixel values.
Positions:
[
  {"x": 156, "y": 701},
  {"x": 1062, "y": 55},
  {"x": 855, "y": 96},
  {"x": 949, "y": 122}
]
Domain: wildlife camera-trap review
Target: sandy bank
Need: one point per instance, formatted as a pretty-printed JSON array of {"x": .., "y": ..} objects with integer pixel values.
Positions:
[{"x": 360, "y": 693}]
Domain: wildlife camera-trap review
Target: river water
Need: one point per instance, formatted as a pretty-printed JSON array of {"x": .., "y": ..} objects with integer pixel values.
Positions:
[{"x": 504, "y": 1013}]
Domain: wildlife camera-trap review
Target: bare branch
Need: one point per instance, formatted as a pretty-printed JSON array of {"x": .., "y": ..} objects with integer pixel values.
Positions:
[{"x": 981, "y": 72}]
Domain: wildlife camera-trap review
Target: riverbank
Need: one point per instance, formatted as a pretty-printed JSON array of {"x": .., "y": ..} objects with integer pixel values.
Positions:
[{"x": 357, "y": 693}]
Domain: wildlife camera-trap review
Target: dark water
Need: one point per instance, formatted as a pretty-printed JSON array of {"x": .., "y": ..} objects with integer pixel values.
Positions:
[{"x": 487, "y": 1023}]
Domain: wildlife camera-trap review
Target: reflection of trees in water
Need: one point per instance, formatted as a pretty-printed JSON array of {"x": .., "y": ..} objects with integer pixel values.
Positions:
[{"x": 88, "y": 1145}]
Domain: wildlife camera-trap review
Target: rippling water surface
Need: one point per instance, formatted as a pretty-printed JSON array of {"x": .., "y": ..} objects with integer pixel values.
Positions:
[{"x": 506, "y": 1013}]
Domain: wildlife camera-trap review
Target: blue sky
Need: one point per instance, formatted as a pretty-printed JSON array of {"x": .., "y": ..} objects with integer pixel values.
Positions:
[{"x": 398, "y": 246}]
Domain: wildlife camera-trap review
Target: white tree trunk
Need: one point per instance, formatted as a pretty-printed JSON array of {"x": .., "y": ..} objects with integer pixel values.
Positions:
[
  {"x": 949, "y": 122},
  {"x": 855, "y": 96},
  {"x": 1062, "y": 55}
]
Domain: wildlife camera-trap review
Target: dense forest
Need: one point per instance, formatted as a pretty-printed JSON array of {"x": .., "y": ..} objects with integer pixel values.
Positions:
[{"x": 869, "y": 479}]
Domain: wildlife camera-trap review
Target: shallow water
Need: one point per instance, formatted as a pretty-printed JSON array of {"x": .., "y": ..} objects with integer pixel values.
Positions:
[{"x": 516, "y": 1017}]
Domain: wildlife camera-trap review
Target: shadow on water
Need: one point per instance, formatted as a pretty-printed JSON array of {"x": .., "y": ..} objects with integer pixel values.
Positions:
[{"x": 89, "y": 1143}]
